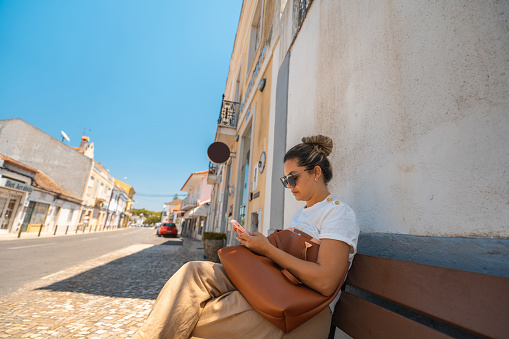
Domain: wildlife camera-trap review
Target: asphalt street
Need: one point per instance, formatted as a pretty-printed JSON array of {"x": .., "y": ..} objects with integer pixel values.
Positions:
[{"x": 26, "y": 260}]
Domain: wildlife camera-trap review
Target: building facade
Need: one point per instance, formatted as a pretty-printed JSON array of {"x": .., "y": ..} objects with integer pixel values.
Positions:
[
  {"x": 415, "y": 99},
  {"x": 67, "y": 187},
  {"x": 15, "y": 188},
  {"x": 242, "y": 187},
  {"x": 61, "y": 209},
  {"x": 418, "y": 115},
  {"x": 34, "y": 202},
  {"x": 195, "y": 205},
  {"x": 96, "y": 198},
  {"x": 170, "y": 211},
  {"x": 115, "y": 210},
  {"x": 129, "y": 190},
  {"x": 23, "y": 142}
]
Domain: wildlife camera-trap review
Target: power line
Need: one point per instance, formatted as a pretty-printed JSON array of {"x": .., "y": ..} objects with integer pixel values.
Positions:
[{"x": 156, "y": 195}]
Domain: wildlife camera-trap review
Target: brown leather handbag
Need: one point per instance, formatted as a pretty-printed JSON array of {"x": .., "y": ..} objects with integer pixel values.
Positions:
[{"x": 272, "y": 291}]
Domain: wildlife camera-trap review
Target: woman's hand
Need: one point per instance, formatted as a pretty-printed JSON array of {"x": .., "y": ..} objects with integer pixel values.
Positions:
[{"x": 256, "y": 242}]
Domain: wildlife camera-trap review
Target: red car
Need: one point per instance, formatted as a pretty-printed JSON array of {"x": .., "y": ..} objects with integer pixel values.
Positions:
[{"x": 167, "y": 228}]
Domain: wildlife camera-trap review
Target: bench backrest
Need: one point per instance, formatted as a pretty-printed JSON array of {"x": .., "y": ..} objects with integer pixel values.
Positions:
[{"x": 471, "y": 302}]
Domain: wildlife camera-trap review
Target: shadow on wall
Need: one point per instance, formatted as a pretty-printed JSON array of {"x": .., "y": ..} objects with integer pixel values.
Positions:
[{"x": 141, "y": 275}]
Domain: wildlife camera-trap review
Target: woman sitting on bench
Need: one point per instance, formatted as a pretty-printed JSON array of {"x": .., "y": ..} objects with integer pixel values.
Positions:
[{"x": 199, "y": 301}]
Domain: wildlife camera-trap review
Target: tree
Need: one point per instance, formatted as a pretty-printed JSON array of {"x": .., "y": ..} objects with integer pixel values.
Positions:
[
  {"x": 152, "y": 220},
  {"x": 146, "y": 213}
]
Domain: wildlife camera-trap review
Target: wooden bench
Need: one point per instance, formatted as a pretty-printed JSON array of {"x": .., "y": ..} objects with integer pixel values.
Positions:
[{"x": 387, "y": 298}]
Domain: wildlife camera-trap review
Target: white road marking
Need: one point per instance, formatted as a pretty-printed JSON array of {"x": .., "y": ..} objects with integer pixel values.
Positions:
[
  {"x": 89, "y": 239},
  {"x": 15, "y": 248}
]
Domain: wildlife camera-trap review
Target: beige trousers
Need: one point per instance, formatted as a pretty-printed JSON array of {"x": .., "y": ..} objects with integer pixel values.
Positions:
[{"x": 199, "y": 301}]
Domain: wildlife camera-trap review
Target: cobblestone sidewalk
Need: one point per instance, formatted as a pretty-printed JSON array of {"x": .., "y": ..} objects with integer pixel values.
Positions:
[{"x": 107, "y": 297}]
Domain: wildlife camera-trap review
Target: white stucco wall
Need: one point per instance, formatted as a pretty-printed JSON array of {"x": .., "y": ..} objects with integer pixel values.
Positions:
[
  {"x": 61, "y": 218},
  {"x": 37, "y": 149},
  {"x": 415, "y": 97},
  {"x": 205, "y": 191},
  {"x": 265, "y": 227}
]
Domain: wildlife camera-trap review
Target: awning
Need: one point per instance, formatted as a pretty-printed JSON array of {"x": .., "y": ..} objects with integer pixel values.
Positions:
[{"x": 200, "y": 211}]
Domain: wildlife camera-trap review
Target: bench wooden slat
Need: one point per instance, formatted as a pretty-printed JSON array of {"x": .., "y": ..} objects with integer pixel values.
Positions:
[
  {"x": 471, "y": 301},
  {"x": 361, "y": 320}
]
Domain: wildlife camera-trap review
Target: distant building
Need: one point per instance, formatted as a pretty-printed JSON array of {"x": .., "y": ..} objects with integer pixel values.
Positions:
[
  {"x": 62, "y": 209},
  {"x": 116, "y": 208},
  {"x": 196, "y": 204},
  {"x": 43, "y": 207},
  {"x": 71, "y": 171},
  {"x": 171, "y": 211},
  {"x": 129, "y": 190},
  {"x": 97, "y": 198},
  {"x": 25, "y": 143},
  {"x": 15, "y": 188},
  {"x": 165, "y": 213}
]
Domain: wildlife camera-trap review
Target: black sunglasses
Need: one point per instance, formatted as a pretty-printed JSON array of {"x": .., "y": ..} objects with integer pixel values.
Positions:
[{"x": 290, "y": 179}]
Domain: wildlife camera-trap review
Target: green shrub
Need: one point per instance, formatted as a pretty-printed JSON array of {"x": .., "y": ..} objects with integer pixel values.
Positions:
[{"x": 213, "y": 236}]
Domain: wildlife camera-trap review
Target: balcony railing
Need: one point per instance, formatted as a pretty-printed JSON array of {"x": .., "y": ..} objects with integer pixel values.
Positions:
[
  {"x": 189, "y": 202},
  {"x": 213, "y": 168},
  {"x": 213, "y": 175},
  {"x": 228, "y": 113}
]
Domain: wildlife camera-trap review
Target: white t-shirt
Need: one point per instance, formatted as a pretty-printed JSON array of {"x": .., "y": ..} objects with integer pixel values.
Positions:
[{"x": 329, "y": 219}]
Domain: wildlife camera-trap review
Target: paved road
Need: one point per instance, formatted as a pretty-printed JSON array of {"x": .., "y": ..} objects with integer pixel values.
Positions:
[
  {"x": 107, "y": 297},
  {"x": 26, "y": 260}
]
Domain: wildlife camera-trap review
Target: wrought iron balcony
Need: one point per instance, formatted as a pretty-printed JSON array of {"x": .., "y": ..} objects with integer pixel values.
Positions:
[
  {"x": 213, "y": 168},
  {"x": 228, "y": 114}
]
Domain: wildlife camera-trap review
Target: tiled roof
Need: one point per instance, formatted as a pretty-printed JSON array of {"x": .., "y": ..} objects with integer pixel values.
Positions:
[
  {"x": 174, "y": 202},
  {"x": 41, "y": 180},
  {"x": 195, "y": 173},
  {"x": 17, "y": 163}
]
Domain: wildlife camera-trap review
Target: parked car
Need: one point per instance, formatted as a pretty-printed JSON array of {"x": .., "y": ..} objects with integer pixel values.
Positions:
[{"x": 167, "y": 228}]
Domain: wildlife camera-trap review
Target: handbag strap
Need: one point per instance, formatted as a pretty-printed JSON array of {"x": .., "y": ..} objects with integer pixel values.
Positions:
[
  {"x": 276, "y": 237},
  {"x": 304, "y": 251},
  {"x": 291, "y": 278}
]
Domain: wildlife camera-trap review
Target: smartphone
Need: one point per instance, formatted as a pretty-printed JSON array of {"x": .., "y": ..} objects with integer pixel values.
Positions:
[{"x": 239, "y": 226}]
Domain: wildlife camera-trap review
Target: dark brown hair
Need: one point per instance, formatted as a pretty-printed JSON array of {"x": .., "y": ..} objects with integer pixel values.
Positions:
[{"x": 313, "y": 151}]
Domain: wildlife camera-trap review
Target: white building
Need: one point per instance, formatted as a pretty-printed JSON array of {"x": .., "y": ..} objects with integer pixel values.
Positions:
[
  {"x": 30, "y": 200},
  {"x": 15, "y": 188},
  {"x": 61, "y": 209},
  {"x": 196, "y": 204},
  {"x": 116, "y": 208}
]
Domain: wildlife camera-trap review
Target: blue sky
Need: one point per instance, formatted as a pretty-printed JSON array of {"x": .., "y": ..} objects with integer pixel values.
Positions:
[{"x": 143, "y": 79}]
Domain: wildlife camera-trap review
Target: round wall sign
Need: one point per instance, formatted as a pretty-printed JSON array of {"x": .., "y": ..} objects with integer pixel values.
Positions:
[
  {"x": 261, "y": 163},
  {"x": 218, "y": 152}
]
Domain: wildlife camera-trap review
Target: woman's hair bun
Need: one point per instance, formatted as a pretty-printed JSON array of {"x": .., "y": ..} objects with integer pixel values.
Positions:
[{"x": 321, "y": 143}]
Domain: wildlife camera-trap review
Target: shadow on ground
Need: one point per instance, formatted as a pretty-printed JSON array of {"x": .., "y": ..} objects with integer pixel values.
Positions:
[{"x": 140, "y": 275}]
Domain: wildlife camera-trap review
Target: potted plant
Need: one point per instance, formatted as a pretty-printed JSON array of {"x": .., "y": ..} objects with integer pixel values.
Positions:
[{"x": 213, "y": 242}]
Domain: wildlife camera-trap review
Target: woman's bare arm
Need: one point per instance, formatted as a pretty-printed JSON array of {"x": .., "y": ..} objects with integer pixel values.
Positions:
[{"x": 323, "y": 276}]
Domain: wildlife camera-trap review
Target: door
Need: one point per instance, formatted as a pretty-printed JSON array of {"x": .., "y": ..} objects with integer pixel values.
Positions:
[
  {"x": 7, "y": 206},
  {"x": 243, "y": 180},
  {"x": 54, "y": 217},
  {"x": 28, "y": 216},
  {"x": 3, "y": 206}
]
